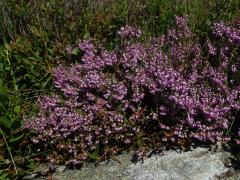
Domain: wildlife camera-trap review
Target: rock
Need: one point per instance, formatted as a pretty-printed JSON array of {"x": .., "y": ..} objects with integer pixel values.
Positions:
[
  {"x": 236, "y": 176},
  {"x": 30, "y": 176},
  {"x": 43, "y": 169},
  {"x": 198, "y": 164},
  {"x": 61, "y": 169}
]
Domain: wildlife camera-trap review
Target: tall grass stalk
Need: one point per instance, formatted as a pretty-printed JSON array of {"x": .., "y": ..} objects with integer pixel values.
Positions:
[{"x": 10, "y": 153}]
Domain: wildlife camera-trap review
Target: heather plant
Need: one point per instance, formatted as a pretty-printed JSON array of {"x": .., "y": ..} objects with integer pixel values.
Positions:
[
  {"x": 143, "y": 95},
  {"x": 225, "y": 53}
]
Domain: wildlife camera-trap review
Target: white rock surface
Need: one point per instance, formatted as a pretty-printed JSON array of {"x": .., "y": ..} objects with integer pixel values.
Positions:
[{"x": 198, "y": 164}]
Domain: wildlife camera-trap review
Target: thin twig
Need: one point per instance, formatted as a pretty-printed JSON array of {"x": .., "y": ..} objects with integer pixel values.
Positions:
[
  {"x": 12, "y": 133},
  {"x": 30, "y": 156},
  {"x": 8, "y": 148},
  {"x": 233, "y": 121}
]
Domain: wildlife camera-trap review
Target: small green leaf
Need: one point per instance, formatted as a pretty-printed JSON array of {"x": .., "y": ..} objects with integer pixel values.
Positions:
[
  {"x": 3, "y": 92},
  {"x": 14, "y": 139},
  {"x": 7, "y": 161},
  {"x": 7, "y": 68},
  {"x": 5, "y": 121},
  {"x": 17, "y": 109},
  {"x": 30, "y": 164},
  {"x": 86, "y": 35},
  {"x": 75, "y": 51},
  {"x": 94, "y": 156},
  {"x": 3, "y": 176},
  {"x": 1, "y": 158}
]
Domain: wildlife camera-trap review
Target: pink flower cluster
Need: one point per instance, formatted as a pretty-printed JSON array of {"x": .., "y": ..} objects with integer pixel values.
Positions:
[
  {"x": 129, "y": 32},
  {"x": 233, "y": 35},
  {"x": 164, "y": 89}
]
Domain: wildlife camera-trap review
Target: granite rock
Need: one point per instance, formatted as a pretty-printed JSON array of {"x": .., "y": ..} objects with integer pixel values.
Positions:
[{"x": 197, "y": 164}]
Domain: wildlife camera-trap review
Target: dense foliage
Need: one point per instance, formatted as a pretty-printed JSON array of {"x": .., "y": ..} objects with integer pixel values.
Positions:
[{"x": 162, "y": 92}]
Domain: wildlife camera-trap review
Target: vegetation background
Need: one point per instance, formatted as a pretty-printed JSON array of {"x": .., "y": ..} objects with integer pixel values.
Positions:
[{"x": 35, "y": 33}]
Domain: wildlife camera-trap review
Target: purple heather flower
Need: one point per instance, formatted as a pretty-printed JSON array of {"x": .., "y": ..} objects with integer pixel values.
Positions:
[
  {"x": 129, "y": 32},
  {"x": 212, "y": 50},
  {"x": 233, "y": 35}
]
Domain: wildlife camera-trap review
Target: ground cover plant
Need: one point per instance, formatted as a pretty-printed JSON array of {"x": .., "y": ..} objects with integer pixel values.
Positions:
[
  {"x": 33, "y": 39},
  {"x": 142, "y": 95}
]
